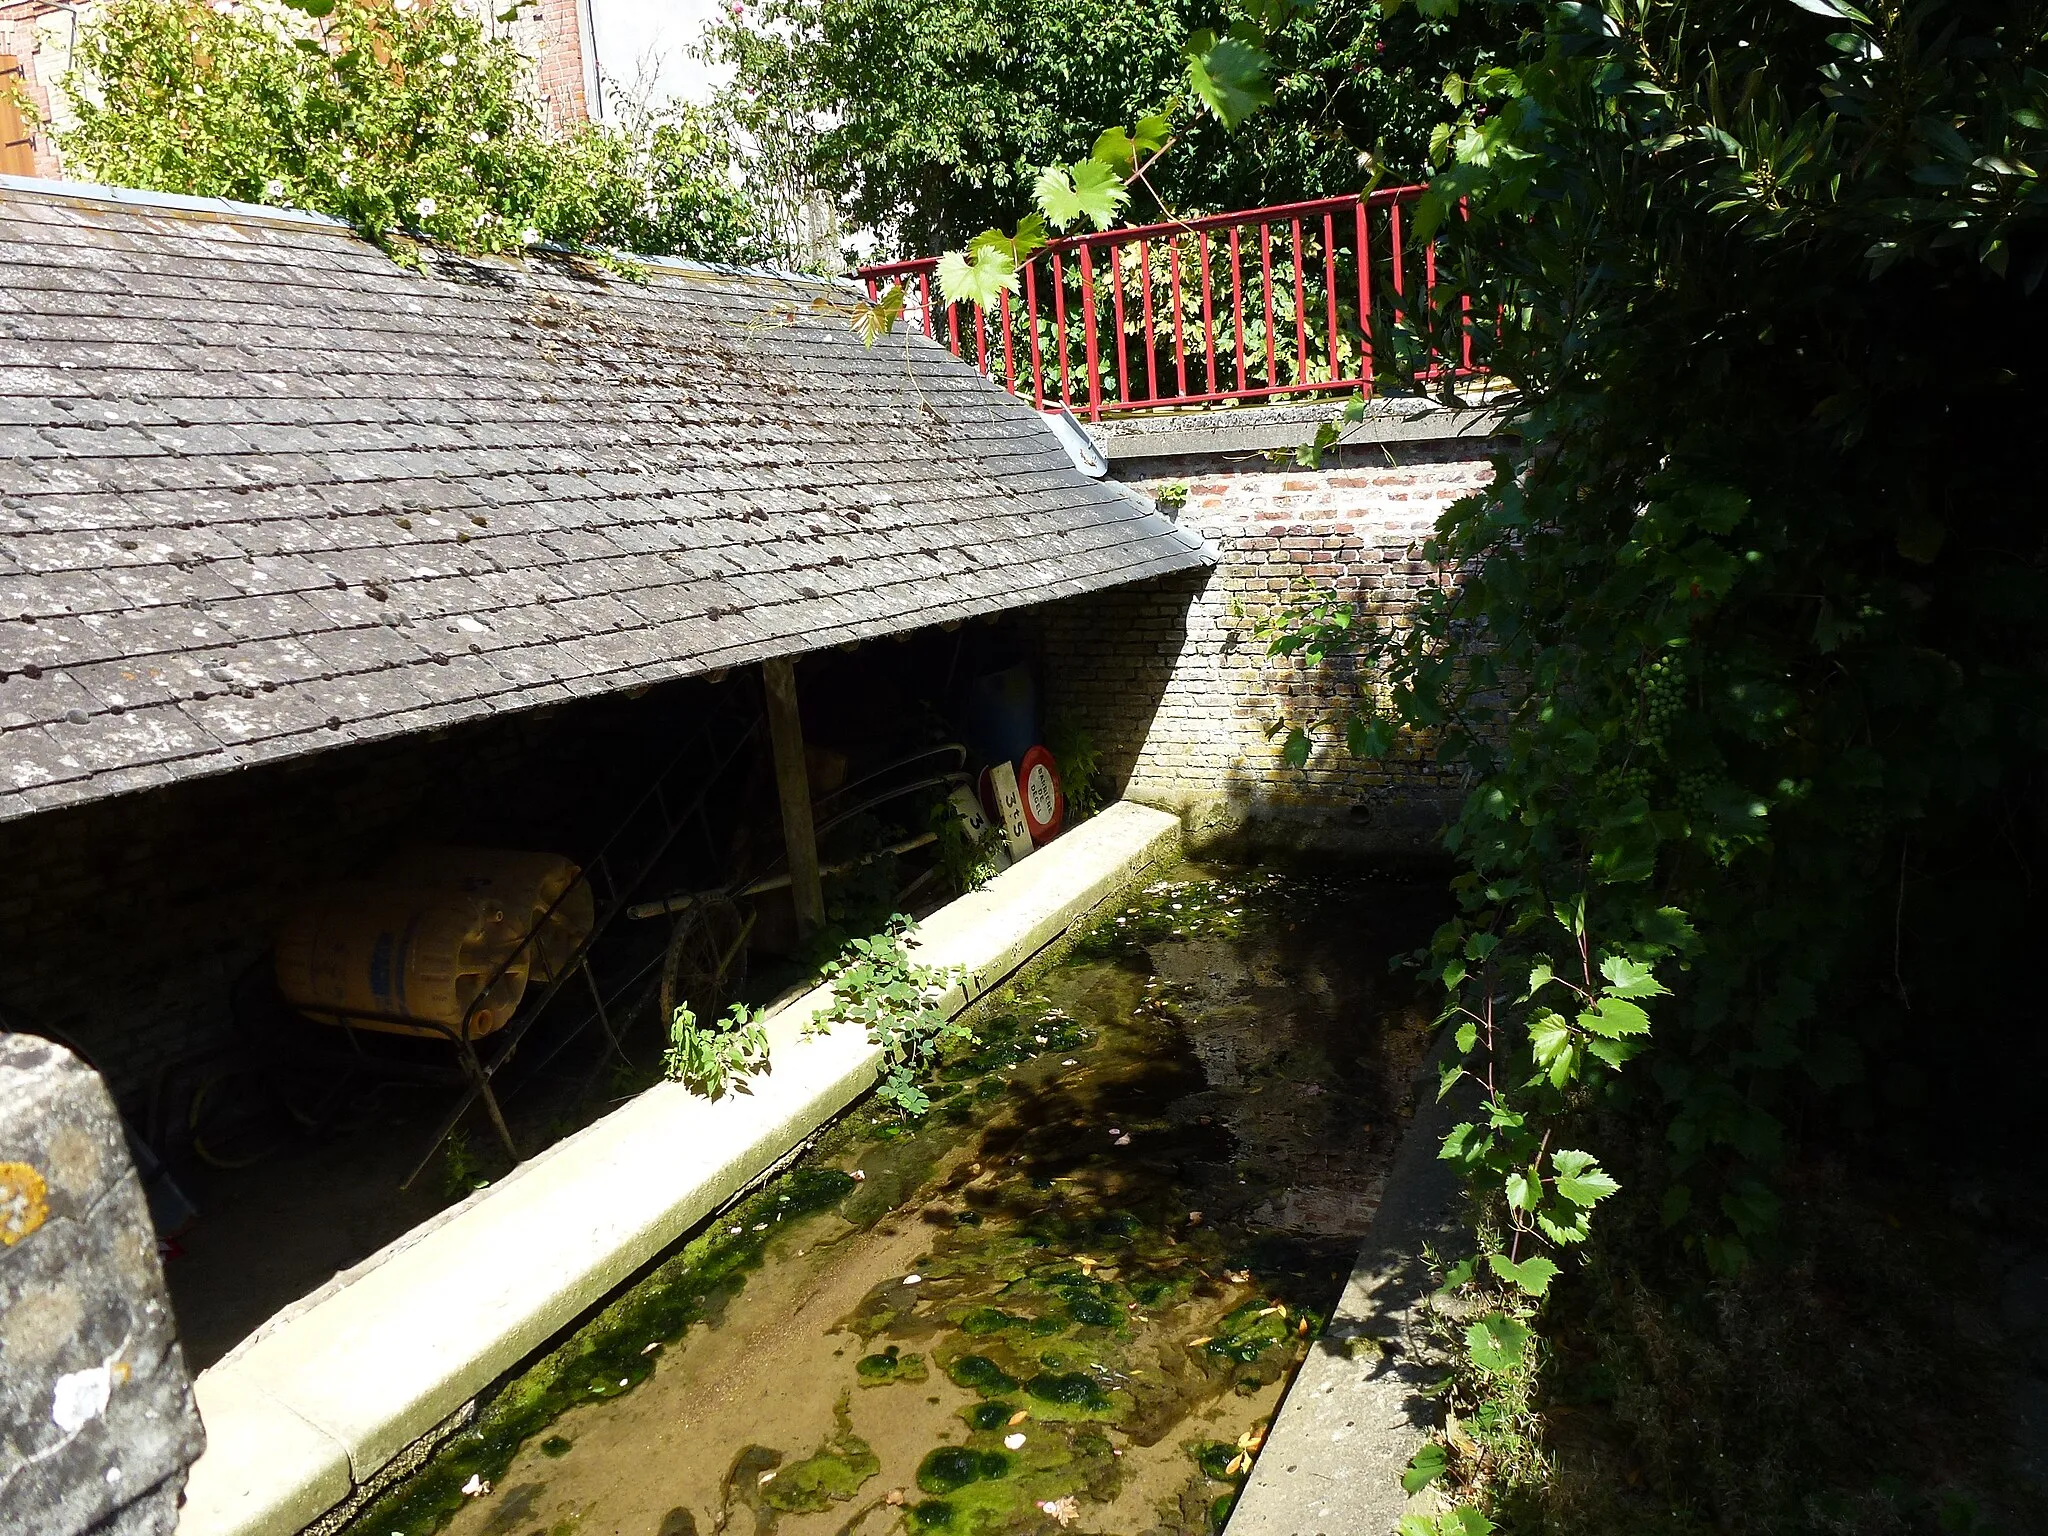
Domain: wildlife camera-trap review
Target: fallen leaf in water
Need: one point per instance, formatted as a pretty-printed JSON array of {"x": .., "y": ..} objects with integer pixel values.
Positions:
[
  {"x": 893, "y": 1497},
  {"x": 1303, "y": 1329},
  {"x": 767, "y": 1478},
  {"x": 1251, "y": 1439},
  {"x": 913, "y": 1279},
  {"x": 1121, "y": 1141},
  {"x": 1064, "y": 1510},
  {"x": 476, "y": 1487},
  {"x": 1013, "y": 1442},
  {"x": 1238, "y": 1463},
  {"x": 1198, "y": 1343},
  {"x": 1238, "y": 1276},
  {"x": 1020, "y": 1415},
  {"x": 859, "y": 1175},
  {"x": 650, "y": 1348}
]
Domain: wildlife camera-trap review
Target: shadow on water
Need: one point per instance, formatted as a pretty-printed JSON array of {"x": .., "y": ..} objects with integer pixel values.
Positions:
[{"x": 1069, "y": 1298}]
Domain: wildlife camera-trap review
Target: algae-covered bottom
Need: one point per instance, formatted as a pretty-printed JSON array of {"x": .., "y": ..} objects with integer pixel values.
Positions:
[{"x": 1068, "y": 1299}]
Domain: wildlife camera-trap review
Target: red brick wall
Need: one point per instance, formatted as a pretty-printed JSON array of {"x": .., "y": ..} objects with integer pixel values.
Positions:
[
  {"x": 1173, "y": 679},
  {"x": 562, "y": 84}
]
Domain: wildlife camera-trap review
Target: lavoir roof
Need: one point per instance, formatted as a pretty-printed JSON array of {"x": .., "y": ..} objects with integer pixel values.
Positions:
[{"x": 265, "y": 490}]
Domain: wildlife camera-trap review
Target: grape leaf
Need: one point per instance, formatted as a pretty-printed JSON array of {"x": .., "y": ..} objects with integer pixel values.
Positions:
[
  {"x": 871, "y": 322},
  {"x": 1089, "y": 189},
  {"x": 1229, "y": 75},
  {"x": 1496, "y": 1344},
  {"x": 1551, "y": 1040},
  {"x": 979, "y": 277},
  {"x": 1020, "y": 247},
  {"x": 1580, "y": 1178},
  {"x": 1425, "y": 1467},
  {"x": 1124, "y": 148},
  {"x": 1614, "y": 1017},
  {"x": 1630, "y": 978},
  {"x": 1531, "y": 1275}
]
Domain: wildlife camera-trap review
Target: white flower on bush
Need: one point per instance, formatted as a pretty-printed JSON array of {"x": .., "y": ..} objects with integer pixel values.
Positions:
[
  {"x": 274, "y": 190},
  {"x": 530, "y": 235},
  {"x": 343, "y": 179},
  {"x": 447, "y": 61},
  {"x": 401, "y": 6},
  {"x": 426, "y": 207},
  {"x": 479, "y": 138},
  {"x": 223, "y": 7}
]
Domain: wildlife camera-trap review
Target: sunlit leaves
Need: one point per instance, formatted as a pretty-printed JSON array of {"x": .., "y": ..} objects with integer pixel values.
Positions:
[
  {"x": 980, "y": 275},
  {"x": 1531, "y": 1276},
  {"x": 874, "y": 320},
  {"x": 1580, "y": 1179},
  {"x": 1229, "y": 76},
  {"x": 1088, "y": 189},
  {"x": 1127, "y": 150},
  {"x": 1496, "y": 1343}
]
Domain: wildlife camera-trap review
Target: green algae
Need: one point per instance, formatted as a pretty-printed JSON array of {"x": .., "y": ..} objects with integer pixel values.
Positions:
[
  {"x": 556, "y": 1445},
  {"x": 980, "y": 1374},
  {"x": 1069, "y": 1389},
  {"x": 952, "y": 1467},
  {"x": 891, "y": 1365},
  {"x": 609, "y": 1355},
  {"x": 989, "y": 1415},
  {"x": 932, "y": 1515},
  {"x": 831, "y": 1474}
]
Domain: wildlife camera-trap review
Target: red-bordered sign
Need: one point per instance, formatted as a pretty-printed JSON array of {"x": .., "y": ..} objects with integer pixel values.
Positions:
[{"x": 1045, "y": 803}]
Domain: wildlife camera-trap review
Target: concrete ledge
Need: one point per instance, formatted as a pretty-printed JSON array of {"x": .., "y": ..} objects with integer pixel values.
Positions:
[
  {"x": 1259, "y": 429},
  {"x": 315, "y": 1402},
  {"x": 1356, "y": 1412}
]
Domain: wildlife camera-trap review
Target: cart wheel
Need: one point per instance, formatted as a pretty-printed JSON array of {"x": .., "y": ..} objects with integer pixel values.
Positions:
[
  {"x": 706, "y": 963},
  {"x": 232, "y": 1121}
]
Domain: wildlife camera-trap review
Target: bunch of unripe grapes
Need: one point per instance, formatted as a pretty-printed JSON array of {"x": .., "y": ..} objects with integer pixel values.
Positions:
[
  {"x": 1662, "y": 683},
  {"x": 1693, "y": 785},
  {"x": 1620, "y": 784}
]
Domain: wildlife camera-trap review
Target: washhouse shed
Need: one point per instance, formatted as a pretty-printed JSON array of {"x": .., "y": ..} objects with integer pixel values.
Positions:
[{"x": 308, "y": 550}]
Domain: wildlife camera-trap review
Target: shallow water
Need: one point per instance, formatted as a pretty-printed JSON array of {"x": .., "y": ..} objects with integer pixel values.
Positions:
[{"x": 1069, "y": 1298}]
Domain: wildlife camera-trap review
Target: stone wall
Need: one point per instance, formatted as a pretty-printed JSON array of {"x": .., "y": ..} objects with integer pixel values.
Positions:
[{"x": 1173, "y": 681}]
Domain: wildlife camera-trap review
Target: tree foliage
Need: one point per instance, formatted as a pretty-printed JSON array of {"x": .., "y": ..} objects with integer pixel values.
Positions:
[
  {"x": 1744, "y": 649},
  {"x": 941, "y": 115},
  {"x": 394, "y": 115}
]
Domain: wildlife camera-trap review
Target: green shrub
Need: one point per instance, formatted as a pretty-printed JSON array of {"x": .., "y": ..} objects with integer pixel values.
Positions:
[{"x": 400, "y": 117}]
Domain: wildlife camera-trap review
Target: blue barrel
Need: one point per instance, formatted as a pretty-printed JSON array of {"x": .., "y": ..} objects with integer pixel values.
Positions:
[{"x": 999, "y": 714}]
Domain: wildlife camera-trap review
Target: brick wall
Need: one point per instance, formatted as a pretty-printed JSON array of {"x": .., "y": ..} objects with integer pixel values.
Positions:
[
  {"x": 1174, "y": 683},
  {"x": 37, "y": 37}
]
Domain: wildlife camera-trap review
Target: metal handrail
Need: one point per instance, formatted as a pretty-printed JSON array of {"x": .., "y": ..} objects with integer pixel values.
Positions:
[{"x": 1190, "y": 312}]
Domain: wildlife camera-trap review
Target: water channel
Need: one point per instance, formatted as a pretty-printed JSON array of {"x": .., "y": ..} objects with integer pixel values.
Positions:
[{"x": 1069, "y": 1298}]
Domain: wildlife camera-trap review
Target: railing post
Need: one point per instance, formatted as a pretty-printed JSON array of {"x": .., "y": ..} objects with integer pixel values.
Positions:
[{"x": 1088, "y": 332}]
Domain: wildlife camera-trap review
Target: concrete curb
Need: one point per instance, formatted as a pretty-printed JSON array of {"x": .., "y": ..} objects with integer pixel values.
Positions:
[
  {"x": 318, "y": 1400},
  {"x": 1356, "y": 1412}
]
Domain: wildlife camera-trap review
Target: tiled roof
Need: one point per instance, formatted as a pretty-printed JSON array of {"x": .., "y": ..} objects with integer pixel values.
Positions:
[{"x": 264, "y": 490}]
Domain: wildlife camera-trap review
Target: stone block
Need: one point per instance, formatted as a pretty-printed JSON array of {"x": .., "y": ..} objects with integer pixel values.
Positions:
[{"x": 97, "y": 1423}]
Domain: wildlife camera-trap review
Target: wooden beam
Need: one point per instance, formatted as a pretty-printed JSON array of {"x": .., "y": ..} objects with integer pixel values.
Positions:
[{"x": 793, "y": 784}]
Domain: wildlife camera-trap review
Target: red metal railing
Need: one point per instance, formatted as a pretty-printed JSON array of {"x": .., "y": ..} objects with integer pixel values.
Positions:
[{"x": 1299, "y": 299}]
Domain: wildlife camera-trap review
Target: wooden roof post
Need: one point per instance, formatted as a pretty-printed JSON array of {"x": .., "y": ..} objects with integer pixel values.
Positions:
[{"x": 793, "y": 784}]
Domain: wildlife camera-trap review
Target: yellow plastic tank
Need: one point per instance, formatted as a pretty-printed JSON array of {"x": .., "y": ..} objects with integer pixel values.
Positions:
[
  {"x": 529, "y": 881},
  {"x": 360, "y": 948}
]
